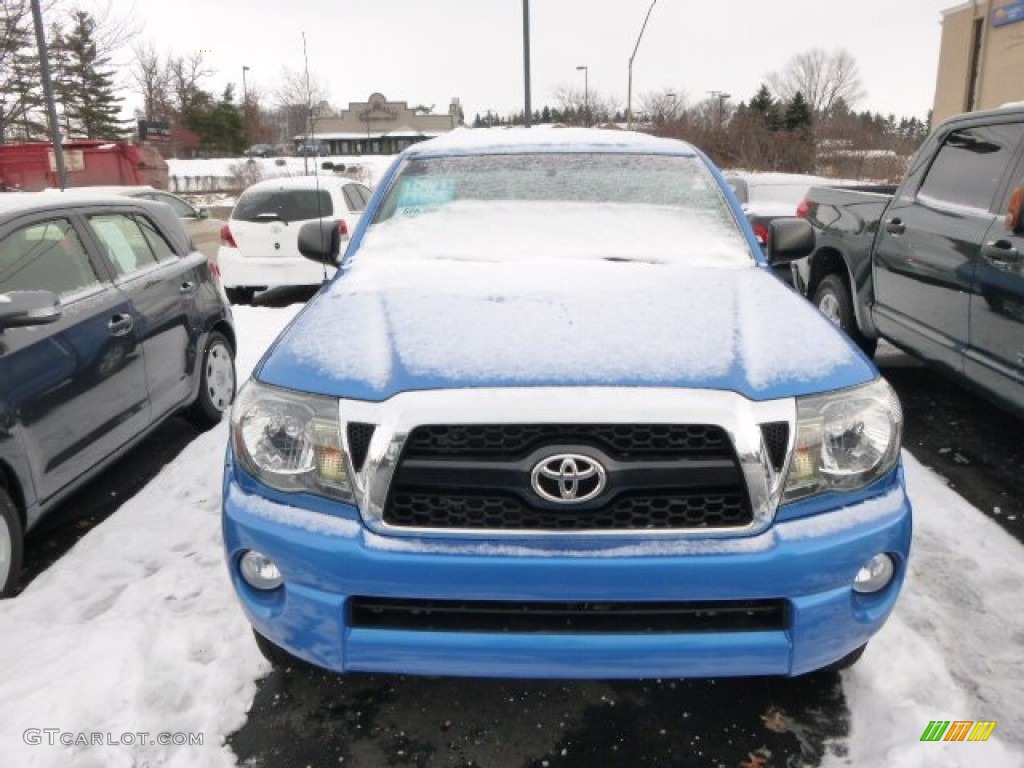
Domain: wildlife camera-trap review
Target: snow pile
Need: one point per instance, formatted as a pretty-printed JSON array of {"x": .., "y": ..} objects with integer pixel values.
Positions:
[
  {"x": 137, "y": 628},
  {"x": 953, "y": 648}
]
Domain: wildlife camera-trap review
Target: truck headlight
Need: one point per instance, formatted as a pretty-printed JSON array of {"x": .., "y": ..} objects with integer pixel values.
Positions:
[
  {"x": 291, "y": 441},
  {"x": 844, "y": 440}
]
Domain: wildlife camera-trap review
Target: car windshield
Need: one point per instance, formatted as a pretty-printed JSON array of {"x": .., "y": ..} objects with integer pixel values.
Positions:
[
  {"x": 556, "y": 205},
  {"x": 286, "y": 204}
]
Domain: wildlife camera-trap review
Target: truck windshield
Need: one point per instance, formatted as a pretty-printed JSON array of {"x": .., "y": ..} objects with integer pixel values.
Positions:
[{"x": 613, "y": 206}]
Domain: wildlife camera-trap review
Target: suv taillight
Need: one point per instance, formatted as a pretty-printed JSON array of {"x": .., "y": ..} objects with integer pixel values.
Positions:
[
  {"x": 342, "y": 227},
  {"x": 803, "y": 209},
  {"x": 226, "y": 238}
]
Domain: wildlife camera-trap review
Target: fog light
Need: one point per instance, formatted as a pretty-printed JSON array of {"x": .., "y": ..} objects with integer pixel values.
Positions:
[
  {"x": 874, "y": 575},
  {"x": 259, "y": 571}
]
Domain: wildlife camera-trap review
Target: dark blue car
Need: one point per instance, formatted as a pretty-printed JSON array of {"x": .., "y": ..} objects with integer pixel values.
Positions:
[{"x": 110, "y": 322}]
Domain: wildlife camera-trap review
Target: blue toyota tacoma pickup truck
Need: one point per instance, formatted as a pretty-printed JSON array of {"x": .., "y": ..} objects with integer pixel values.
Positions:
[{"x": 554, "y": 417}]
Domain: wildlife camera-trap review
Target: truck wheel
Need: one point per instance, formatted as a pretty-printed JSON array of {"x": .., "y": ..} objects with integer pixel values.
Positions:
[
  {"x": 275, "y": 654},
  {"x": 11, "y": 544},
  {"x": 832, "y": 298},
  {"x": 241, "y": 295},
  {"x": 216, "y": 382}
]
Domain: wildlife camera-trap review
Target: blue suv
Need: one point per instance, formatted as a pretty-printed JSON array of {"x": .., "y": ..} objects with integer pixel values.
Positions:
[
  {"x": 110, "y": 322},
  {"x": 554, "y": 417}
]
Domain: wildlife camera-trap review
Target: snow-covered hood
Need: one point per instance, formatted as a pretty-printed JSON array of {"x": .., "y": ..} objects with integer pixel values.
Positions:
[{"x": 395, "y": 325}]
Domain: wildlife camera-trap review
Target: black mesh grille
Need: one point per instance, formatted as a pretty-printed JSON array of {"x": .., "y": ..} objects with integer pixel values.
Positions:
[
  {"x": 621, "y": 441},
  {"x": 481, "y": 477},
  {"x": 452, "y": 508},
  {"x": 359, "y": 436},
  {"x": 776, "y": 440},
  {"x": 568, "y": 617}
]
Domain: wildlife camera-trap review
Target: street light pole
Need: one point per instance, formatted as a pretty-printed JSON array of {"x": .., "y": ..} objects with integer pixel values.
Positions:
[
  {"x": 629, "y": 91},
  {"x": 720, "y": 98},
  {"x": 586, "y": 93}
]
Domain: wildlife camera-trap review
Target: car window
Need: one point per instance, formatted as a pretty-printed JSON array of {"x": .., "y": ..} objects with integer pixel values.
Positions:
[
  {"x": 739, "y": 187},
  {"x": 155, "y": 239},
  {"x": 47, "y": 256},
  {"x": 289, "y": 204},
  {"x": 969, "y": 165},
  {"x": 365, "y": 193},
  {"x": 126, "y": 244},
  {"x": 353, "y": 199},
  {"x": 182, "y": 209}
]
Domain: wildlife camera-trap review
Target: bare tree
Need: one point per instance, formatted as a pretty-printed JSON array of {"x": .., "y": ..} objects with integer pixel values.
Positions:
[
  {"x": 151, "y": 75},
  {"x": 185, "y": 74},
  {"x": 582, "y": 106},
  {"x": 665, "y": 106},
  {"x": 823, "y": 78},
  {"x": 302, "y": 98}
]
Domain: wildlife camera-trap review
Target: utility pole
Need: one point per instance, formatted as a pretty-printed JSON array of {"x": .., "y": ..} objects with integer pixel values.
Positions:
[
  {"x": 51, "y": 106},
  {"x": 720, "y": 97},
  {"x": 245, "y": 106},
  {"x": 527, "y": 112}
]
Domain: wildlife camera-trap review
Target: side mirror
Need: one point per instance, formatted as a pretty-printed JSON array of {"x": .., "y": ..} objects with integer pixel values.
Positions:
[
  {"x": 204, "y": 213},
  {"x": 1015, "y": 210},
  {"x": 789, "y": 239},
  {"x": 320, "y": 241},
  {"x": 24, "y": 308}
]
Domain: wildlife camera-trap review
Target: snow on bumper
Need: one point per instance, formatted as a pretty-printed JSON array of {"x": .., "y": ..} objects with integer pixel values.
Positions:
[{"x": 327, "y": 560}]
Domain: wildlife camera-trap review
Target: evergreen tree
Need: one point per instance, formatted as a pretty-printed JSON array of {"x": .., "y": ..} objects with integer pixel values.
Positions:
[
  {"x": 545, "y": 114},
  {"x": 21, "y": 113},
  {"x": 84, "y": 82},
  {"x": 798, "y": 116}
]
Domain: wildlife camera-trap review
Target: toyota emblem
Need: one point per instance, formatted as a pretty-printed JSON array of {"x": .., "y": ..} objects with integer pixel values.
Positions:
[{"x": 568, "y": 478}]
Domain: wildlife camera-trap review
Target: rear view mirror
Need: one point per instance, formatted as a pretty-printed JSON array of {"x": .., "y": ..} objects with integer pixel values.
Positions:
[
  {"x": 1015, "y": 210},
  {"x": 320, "y": 241},
  {"x": 23, "y": 308},
  {"x": 789, "y": 239}
]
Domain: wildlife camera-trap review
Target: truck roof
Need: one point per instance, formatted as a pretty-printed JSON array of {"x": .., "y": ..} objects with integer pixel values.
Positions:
[{"x": 476, "y": 141}]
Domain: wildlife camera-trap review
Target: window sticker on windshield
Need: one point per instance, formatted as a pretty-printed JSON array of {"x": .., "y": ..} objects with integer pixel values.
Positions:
[{"x": 420, "y": 195}]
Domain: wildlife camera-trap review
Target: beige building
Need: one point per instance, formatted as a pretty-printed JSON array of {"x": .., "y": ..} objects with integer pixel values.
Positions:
[
  {"x": 981, "y": 62},
  {"x": 381, "y": 127}
]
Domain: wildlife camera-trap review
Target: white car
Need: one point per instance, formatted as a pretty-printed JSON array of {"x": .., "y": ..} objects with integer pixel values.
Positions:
[{"x": 259, "y": 244}]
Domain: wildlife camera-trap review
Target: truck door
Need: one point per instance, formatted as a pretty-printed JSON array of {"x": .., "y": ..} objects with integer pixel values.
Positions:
[
  {"x": 928, "y": 241},
  {"x": 996, "y": 354}
]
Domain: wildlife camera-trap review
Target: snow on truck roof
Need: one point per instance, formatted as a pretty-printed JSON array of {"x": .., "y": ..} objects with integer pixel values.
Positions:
[{"x": 506, "y": 140}]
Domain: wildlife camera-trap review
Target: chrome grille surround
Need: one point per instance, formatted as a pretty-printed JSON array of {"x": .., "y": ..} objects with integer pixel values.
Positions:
[{"x": 740, "y": 417}]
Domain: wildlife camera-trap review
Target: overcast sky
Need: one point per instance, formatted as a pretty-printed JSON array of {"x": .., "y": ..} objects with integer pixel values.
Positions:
[{"x": 427, "y": 51}]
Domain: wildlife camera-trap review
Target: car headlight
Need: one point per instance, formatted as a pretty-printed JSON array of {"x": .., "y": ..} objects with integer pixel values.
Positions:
[
  {"x": 844, "y": 440},
  {"x": 291, "y": 441}
]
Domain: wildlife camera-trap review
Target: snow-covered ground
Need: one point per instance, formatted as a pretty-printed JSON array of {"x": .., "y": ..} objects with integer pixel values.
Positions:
[{"x": 137, "y": 630}]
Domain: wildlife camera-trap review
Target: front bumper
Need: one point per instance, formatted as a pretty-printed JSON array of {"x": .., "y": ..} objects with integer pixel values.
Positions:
[
  {"x": 238, "y": 271},
  {"x": 328, "y": 559}
]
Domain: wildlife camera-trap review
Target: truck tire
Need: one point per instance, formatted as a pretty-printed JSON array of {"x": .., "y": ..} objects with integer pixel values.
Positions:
[
  {"x": 11, "y": 544},
  {"x": 217, "y": 382},
  {"x": 833, "y": 300},
  {"x": 277, "y": 655}
]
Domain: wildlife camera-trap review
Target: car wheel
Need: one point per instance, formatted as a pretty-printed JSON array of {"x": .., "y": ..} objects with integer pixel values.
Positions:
[
  {"x": 11, "y": 544},
  {"x": 832, "y": 298},
  {"x": 216, "y": 382},
  {"x": 240, "y": 295},
  {"x": 275, "y": 654}
]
